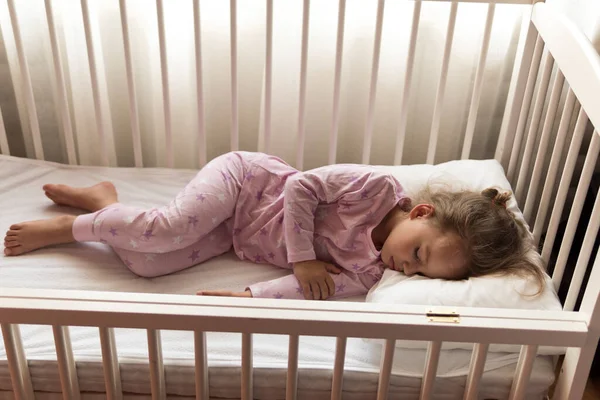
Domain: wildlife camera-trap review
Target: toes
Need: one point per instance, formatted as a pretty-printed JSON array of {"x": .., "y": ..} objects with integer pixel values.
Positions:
[
  {"x": 15, "y": 227},
  {"x": 51, "y": 196},
  {"x": 11, "y": 244},
  {"x": 49, "y": 188},
  {"x": 11, "y": 233},
  {"x": 10, "y": 238},
  {"x": 14, "y": 251}
]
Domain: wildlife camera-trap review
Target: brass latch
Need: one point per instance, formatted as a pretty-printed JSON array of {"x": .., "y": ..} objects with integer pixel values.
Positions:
[{"x": 443, "y": 316}]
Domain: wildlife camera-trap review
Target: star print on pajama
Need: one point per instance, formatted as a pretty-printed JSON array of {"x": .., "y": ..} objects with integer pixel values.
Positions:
[{"x": 267, "y": 211}]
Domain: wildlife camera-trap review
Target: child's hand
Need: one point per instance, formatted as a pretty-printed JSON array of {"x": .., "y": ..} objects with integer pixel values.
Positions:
[
  {"x": 226, "y": 293},
  {"x": 315, "y": 280}
]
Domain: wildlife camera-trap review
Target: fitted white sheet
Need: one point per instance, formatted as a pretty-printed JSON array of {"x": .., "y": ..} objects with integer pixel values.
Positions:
[{"x": 96, "y": 267}]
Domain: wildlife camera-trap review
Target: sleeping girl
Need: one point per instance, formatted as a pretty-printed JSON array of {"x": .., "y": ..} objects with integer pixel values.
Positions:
[{"x": 337, "y": 227}]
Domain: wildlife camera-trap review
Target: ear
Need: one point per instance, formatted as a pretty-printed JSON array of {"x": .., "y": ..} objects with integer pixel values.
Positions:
[{"x": 422, "y": 211}]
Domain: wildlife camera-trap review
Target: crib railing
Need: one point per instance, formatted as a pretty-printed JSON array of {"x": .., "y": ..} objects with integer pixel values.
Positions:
[
  {"x": 265, "y": 142},
  {"x": 152, "y": 312}
]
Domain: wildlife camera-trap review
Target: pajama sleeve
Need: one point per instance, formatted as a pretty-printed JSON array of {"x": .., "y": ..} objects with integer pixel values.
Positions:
[
  {"x": 337, "y": 183},
  {"x": 347, "y": 284}
]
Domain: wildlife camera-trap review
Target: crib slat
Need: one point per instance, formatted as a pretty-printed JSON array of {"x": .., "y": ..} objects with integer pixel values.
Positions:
[
  {"x": 202, "y": 383},
  {"x": 247, "y": 372},
  {"x": 478, "y": 86},
  {"x": 557, "y": 152},
  {"x": 335, "y": 120},
  {"x": 4, "y": 148},
  {"x": 66, "y": 362},
  {"x": 439, "y": 98},
  {"x": 547, "y": 63},
  {"x": 157, "y": 370},
  {"x": 302, "y": 100},
  {"x": 433, "y": 358},
  {"x": 584, "y": 255},
  {"x": 368, "y": 139},
  {"x": 523, "y": 371},
  {"x": 164, "y": 71},
  {"x": 268, "y": 77},
  {"x": 524, "y": 115},
  {"x": 98, "y": 112},
  {"x": 60, "y": 88},
  {"x": 133, "y": 109},
  {"x": 234, "y": 76},
  {"x": 582, "y": 189},
  {"x": 478, "y": 357},
  {"x": 565, "y": 182},
  {"x": 34, "y": 123},
  {"x": 516, "y": 90},
  {"x": 199, "y": 86},
  {"x": 291, "y": 387},
  {"x": 410, "y": 60},
  {"x": 110, "y": 362},
  {"x": 557, "y": 87},
  {"x": 338, "y": 369},
  {"x": 386, "y": 369},
  {"x": 17, "y": 362}
]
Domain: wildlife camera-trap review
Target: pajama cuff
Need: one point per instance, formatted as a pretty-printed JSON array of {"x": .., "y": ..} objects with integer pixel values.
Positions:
[
  {"x": 306, "y": 255},
  {"x": 83, "y": 228},
  {"x": 256, "y": 290}
]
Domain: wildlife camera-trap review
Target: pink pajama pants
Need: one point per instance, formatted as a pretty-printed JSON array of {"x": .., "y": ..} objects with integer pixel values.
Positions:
[{"x": 196, "y": 226}]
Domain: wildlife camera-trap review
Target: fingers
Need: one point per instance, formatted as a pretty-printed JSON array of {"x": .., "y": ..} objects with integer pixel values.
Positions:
[
  {"x": 306, "y": 291},
  {"x": 316, "y": 291},
  {"x": 224, "y": 293},
  {"x": 214, "y": 293},
  {"x": 332, "y": 268},
  {"x": 330, "y": 285}
]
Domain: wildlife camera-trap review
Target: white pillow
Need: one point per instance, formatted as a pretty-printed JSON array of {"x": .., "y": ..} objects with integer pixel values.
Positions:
[{"x": 486, "y": 292}]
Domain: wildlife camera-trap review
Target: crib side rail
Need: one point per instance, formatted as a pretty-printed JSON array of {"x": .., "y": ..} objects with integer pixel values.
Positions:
[
  {"x": 153, "y": 312},
  {"x": 364, "y": 320},
  {"x": 554, "y": 105}
]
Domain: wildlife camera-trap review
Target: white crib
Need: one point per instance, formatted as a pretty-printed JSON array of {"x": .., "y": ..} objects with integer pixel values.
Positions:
[{"x": 548, "y": 40}]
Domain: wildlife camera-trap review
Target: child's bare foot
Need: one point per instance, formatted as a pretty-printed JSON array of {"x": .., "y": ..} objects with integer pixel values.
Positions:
[
  {"x": 32, "y": 235},
  {"x": 91, "y": 198}
]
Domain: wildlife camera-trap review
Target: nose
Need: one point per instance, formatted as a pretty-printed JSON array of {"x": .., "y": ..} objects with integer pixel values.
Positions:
[{"x": 409, "y": 268}]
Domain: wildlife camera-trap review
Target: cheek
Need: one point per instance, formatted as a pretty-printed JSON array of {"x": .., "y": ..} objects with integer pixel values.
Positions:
[{"x": 394, "y": 243}]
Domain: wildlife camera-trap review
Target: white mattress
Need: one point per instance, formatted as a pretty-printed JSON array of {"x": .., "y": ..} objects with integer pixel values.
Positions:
[{"x": 96, "y": 267}]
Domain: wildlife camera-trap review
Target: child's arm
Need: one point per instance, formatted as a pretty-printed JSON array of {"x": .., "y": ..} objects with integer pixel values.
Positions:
[
  {"x": 346, "y": 284},
  {"x": 314, "y": 277},
  {"x": 355, "y": 188}
]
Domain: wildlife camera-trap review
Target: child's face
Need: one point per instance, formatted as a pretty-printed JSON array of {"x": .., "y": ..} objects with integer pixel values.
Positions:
[{"x": 415, "y": 245}]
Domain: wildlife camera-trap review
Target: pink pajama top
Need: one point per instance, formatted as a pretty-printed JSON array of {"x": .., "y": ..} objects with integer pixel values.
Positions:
[{"x": 284, "y": 216}]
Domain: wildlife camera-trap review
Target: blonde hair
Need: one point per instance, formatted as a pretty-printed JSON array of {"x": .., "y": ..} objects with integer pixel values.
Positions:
[{"x": 496, "y": 242}]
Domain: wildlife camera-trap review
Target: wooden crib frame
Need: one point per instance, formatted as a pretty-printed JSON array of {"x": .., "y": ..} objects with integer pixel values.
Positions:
[{"x": 550, "y": 39}]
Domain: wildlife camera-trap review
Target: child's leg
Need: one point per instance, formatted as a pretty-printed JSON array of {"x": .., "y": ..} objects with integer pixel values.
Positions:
[
  {"x": 203, "y": 205},
  {"x": 206, "y": 202},
  {"x": 150, "y": 265}
]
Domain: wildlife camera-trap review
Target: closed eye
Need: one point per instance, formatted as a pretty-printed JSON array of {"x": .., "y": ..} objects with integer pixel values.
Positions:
[{"x": 416, "y": 255}]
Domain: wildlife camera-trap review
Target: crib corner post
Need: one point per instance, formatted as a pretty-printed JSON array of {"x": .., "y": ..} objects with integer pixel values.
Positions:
[
  {"x": 575, "y": 370},
  {"x": 578, "y": 361}
]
